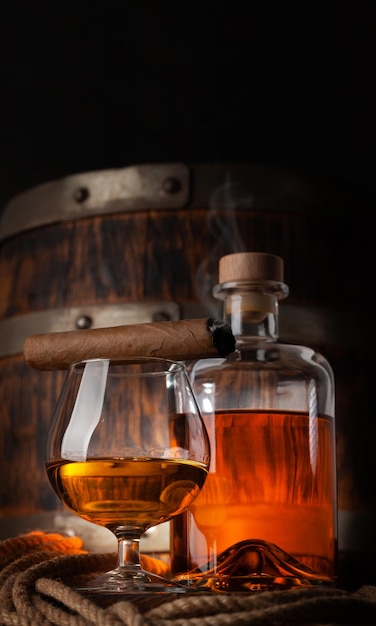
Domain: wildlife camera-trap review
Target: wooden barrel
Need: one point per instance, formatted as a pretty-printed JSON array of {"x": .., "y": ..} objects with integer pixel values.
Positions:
[{"x": 142, "y": 243}]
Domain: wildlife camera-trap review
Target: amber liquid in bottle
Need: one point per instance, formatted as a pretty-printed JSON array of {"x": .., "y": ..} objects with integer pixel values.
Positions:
[{"x": 255, "y": 493}]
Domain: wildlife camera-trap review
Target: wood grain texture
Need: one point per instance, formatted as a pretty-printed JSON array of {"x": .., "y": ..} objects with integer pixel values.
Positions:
[{"x": 173, "y": 255}]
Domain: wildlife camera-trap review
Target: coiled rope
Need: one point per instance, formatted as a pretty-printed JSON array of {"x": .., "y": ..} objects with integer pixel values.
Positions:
[{"x": 39, "y": 570}]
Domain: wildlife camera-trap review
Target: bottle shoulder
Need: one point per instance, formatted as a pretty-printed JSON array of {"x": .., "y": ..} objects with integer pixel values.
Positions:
[
  {"x": 268, "y": 375},
  {"x": 273, "y": 356}
]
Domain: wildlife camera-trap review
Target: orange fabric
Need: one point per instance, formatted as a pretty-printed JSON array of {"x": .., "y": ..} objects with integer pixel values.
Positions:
[{"x": 38, "y": 541}]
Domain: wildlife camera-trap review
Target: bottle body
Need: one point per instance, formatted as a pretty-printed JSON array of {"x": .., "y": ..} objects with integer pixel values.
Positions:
[
  {"x": 272, "y": 480},
  {"x": 267, "y": 515}
]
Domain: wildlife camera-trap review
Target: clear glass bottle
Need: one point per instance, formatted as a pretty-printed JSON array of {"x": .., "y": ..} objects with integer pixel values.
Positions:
[{"x": 267, "y": 515}]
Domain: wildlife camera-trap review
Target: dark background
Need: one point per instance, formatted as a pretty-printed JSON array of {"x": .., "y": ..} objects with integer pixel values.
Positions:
[{"x": 92, "y": 85}]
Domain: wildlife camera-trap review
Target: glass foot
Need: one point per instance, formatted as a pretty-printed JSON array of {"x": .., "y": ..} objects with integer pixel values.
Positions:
[{"x": 123, "y": 581}]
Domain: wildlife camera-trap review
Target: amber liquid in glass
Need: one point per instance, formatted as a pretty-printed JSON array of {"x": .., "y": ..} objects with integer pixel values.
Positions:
[
  {"x": 137, "y": 491},
  {"x": 269, "y": 480}
]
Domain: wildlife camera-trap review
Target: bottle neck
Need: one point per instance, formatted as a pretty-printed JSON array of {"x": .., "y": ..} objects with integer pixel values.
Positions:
[{"x": 251, "y": 310}]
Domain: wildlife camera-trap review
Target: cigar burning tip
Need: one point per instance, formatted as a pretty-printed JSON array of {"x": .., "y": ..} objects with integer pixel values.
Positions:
[{"x": 223, "y": 339}]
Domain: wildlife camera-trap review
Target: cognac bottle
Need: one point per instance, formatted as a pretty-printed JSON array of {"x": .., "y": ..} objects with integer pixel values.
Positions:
[{"x": 266, "y": 517}]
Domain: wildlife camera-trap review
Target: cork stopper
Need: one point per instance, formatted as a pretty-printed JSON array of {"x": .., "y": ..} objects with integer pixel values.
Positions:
[{"x": 250, "y": 266}]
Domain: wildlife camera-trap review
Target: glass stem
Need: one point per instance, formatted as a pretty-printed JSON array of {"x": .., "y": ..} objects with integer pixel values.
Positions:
[{"x": 129, "y": 553}]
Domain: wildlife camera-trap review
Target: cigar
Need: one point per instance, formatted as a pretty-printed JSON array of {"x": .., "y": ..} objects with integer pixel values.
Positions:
[{"x": 181, "y": 340}]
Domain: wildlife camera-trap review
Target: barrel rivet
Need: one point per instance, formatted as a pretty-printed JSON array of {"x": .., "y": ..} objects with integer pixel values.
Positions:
[
  {"x": 81, "y": 194},
  {"x": 161, "y": 316},
  {"x": 83, "y": 322},
  {"x": 171, "y": 185}
]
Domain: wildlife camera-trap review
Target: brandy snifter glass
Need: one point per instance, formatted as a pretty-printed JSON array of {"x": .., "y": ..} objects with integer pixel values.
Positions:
[{"x": 127, "y": 450}]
